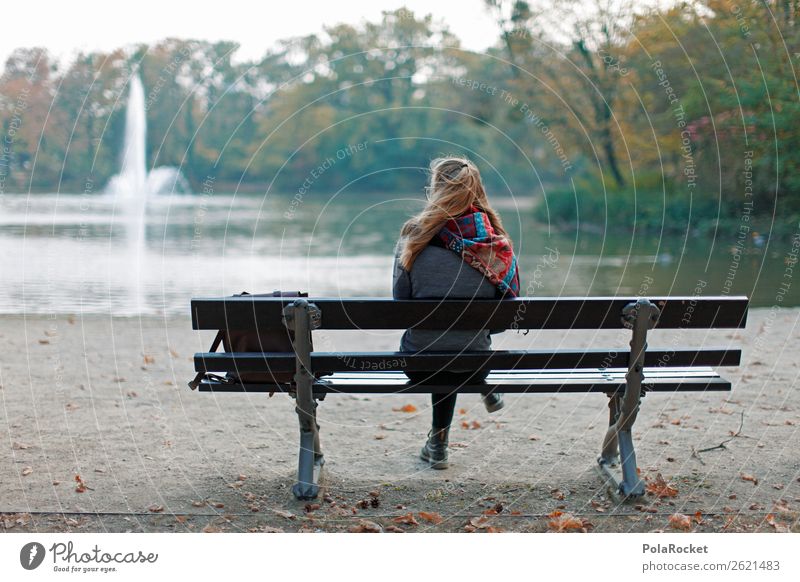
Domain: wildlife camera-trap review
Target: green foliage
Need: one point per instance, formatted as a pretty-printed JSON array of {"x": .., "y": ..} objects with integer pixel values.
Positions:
[{"x": 569, "y": 95}]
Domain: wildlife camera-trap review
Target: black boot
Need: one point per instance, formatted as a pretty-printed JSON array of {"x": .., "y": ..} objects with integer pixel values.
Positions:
[
  {"x": 435, "y": 449},
  {"x": 493, "y": 401}
]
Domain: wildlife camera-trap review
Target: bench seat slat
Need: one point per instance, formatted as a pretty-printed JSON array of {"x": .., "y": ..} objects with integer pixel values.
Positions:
[
  {"x": 499, "y": 359},
  {"x": 532, "y": 382},
  {"x": 239, "y": 313}
]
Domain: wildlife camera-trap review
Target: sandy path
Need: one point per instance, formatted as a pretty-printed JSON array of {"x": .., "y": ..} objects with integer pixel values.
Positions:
[{"x": 106, "y": 399}]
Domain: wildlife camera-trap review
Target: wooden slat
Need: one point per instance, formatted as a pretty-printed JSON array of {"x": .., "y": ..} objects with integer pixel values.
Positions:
[
  {"x": 492, "y": 360},
  {"x": 238, "y": 313},
  {"x": 531, "y": 383}
]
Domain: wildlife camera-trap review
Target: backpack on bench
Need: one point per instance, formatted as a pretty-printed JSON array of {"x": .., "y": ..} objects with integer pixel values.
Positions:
[{"x": 278, "y": 339}]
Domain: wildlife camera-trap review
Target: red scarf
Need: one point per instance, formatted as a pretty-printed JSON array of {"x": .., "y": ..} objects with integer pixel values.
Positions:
[{"x": 473, "y": 237}]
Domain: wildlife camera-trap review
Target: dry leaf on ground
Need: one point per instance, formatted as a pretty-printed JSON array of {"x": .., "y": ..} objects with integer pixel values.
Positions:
[
  {"x": 433, "y": 518},
  {"x": 481, "y": 522},
  {"x": 365, "y": 526},
  {"x": 660, "y": 488},
  {"x": 680, "y": 521},
  {"x": 407, "y": 519},
  {"x": 749, "y": 477},
  {"x": 566, "y": 522},
  {"x": 407, "y": 408},
  {"x": 80, "y": 485}
]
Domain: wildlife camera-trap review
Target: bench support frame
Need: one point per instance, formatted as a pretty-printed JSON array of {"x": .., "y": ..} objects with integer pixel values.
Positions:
[
  {"x": 618, "y": 449},
  {"x": 302, "y": 317}
]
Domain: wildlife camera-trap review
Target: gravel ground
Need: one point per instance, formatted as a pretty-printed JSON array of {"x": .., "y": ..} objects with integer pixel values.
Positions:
[{"x": 100, "y": 433}]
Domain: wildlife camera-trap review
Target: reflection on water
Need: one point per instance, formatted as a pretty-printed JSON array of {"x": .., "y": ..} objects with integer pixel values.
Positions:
[{"x": 74, "y": 253}]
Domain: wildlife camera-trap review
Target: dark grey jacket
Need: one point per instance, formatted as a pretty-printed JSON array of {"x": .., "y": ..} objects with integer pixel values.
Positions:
[{"x": 440, "y": 273}]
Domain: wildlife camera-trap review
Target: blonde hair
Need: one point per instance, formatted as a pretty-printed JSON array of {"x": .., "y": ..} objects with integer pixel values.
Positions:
[{"x": 455, "y": 185}]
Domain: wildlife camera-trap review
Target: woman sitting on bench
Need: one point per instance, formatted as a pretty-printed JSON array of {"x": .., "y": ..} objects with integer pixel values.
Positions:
[{"x": 456, "y": 248}]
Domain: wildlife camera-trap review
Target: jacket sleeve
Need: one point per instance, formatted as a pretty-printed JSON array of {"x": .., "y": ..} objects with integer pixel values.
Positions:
[{"x": 401, "y": 281}]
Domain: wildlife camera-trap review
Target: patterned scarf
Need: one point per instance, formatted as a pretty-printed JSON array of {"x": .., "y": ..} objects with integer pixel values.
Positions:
[{"x": 473, "y": 237}]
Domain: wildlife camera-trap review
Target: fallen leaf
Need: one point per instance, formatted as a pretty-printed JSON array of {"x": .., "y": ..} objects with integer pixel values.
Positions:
[
  {"x": 286, "y": 514},
  {"x": 80, "y": 485},
  {"x": 407, "y": 519},
  {"x": 366, "y": 526},
  {"x": 180, "y": 518},
  {"x": 156, "y": 508},
  {"x": 481, "y": 522},
  {"x": 660, "y": 488},
  {"x": 781, "y": 506},
  {"x": 533, "y": 437},
  {"x": 219, "y": 505},
  {"x": 27, "y": 471},
  {"x": 210, "y": 528},
  {"x": 492, "y": 529},
  {"x": 379, "y": 437},
  {"x": 19, "y": 446},
  {"x": 241, "y": 477},
  {"x": 698, "y": 518},
  {"x": 565, "y": 522},
  {"x": 462, "y": 411},
  {"x": 770, "y": 519},
  {"x": 433, "y": 518},
  {"x": 748, "y": 477},
  {"x": 680, "y": 521},
  {"x": 44, "y": 342},
  {"x": 198, "y": 503},
  {"x": 407, "y": 408},
  {"x": 394, "y": 529},
  {"x": 149, "y": 359}
]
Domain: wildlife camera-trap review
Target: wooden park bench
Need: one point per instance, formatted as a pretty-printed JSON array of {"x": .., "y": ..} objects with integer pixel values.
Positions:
[{"x": 624, "y": 376}]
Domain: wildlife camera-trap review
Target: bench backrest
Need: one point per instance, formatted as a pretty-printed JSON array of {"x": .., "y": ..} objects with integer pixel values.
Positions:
[{"x": 243, "y": 313}]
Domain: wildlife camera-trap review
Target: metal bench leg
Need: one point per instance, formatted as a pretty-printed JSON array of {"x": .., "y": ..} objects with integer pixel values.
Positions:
[
  {"x": 640, "y": 316},
  {"x": 310, "y": 460},
  {"x": 611, "y": 444}
]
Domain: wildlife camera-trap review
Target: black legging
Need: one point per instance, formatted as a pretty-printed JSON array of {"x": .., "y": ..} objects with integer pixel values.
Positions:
[{"x": 444, "y": 405}]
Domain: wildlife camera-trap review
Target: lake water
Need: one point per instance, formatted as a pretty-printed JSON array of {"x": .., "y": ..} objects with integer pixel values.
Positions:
[{"x": 84, "y": 253}]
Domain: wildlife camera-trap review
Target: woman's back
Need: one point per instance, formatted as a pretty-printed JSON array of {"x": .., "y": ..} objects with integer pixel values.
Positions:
[{"x": 439, "y": 273}]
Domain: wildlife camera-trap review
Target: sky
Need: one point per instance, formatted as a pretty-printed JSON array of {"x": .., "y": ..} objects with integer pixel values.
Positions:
[{"x": 66, "y": 27}]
